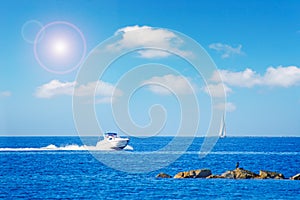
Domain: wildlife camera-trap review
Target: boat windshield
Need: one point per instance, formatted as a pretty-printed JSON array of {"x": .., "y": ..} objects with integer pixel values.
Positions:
[{"x": 111, "y": 134}]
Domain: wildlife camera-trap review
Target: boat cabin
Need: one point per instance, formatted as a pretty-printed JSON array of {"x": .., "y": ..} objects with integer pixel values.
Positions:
[{"x": 110, "y": 136}]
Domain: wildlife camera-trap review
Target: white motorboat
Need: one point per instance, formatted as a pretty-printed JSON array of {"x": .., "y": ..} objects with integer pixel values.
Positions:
[{"x": 113, "y": 141}]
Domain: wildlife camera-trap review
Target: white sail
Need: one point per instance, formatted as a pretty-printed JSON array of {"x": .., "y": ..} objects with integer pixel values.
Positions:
[{"x": 222, "y": 132}]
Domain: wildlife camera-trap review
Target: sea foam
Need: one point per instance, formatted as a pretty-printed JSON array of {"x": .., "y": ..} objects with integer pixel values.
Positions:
[{"x": 72, "y": 147}]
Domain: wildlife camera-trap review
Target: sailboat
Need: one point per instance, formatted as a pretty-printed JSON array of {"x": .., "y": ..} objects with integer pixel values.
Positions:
[{"x": 222, "y": 132}]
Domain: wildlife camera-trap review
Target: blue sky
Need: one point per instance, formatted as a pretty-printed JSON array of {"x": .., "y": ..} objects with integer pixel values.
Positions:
[{"x": 254, "y": 44}]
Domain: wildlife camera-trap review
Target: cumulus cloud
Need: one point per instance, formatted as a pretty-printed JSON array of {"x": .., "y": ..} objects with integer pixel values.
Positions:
[
  {"x": 102, "y": 89},
  {"x": 167, "y": 84},
  {"x": 153, "y": 54},
  {"x": 246, "y": 78},
  {"x": 217, "y": 90},
  {"x": 282, "y": 76},
  {"x": 229, "y": 107},
  {"x": 226, "y": 50},
  {"x": 105, "y": 100},
  {"x": 145, "y": 37},
  {"x": 273, "y": 77},
  {"x": 5, "y": 94},
  {"x": 106, "y": 91},
  {"x": 55, "y": 88}
]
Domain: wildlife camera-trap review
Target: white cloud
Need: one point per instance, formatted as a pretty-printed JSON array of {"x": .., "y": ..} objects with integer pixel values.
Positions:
[
  {"x": 153, "y": 54},
  {"x": 229, "y": 107},
  {"x": 246, "y": 78},
  {"x": 217, "y": 90},
  {"x": 147, "y": 37},
  {"x": 102, "y": 89},
  {"x": 105, "y": 100},
  {"x": 167, "y": 84},
  {"x": 106, "y": 91},
  {"x": 282, "y": 76},
  {"x": 55, "y": 88},
  {"x": 227, "y": 50},
  {"x": 273, "y": 77},
  {"x": 5, "y": 94}
]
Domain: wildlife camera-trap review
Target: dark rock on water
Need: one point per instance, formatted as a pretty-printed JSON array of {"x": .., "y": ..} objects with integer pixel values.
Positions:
[
  {"x": 245, "y": 174},
  {"x": 202, "y": 173},
  {"x": 199, "y": 173},
  {"x": 163, "y": 175},
  {"x": 228, "y": 174},
  {"x": 239, "y": 173},
  {"x": 267, "y": 174},
  {"x": 215, "y": 176},
  {"x": 296, "y": 177},
  {"x": 182, "y": 175}
]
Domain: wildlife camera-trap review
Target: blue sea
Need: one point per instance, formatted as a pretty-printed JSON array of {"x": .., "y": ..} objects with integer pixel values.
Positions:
[{"x": 58, "y": 168}]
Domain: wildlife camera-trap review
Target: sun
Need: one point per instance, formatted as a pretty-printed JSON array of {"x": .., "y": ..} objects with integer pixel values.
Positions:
[{"x": 60, "y": 47}]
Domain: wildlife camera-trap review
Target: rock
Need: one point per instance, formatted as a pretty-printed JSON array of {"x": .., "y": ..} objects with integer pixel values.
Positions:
[
  {"x": 163, "y": 175},
  {"x": 181, "y": 175},
  {"x": 228, "y": 174},
  {"x": 239, "y": 173},
  {"x": 199, "y": 173},
  {"x": 296, "y": 177},
  {"x": 202, "y": 173},
  {"x": 215, "y": 176},
  {"x": 267, "y": 174}
]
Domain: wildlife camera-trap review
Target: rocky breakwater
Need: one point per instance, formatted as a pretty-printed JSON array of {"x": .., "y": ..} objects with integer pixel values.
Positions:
[
  {"x": 199, "y": 173},
  {"x": 296, "y": 177},
  {"x": 163, "y": 175},
  {"x": 267, "y": 174},
  {"x": 238, "y": 173}
]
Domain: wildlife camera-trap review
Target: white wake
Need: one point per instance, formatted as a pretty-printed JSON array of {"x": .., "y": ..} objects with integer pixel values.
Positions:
[{"x": 73, "y": 147}]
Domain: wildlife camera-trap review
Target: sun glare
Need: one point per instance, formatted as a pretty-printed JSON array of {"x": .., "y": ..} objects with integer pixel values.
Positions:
[{"x": 60, "y": 48}]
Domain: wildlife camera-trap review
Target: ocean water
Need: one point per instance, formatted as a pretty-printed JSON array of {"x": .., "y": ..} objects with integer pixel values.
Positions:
[{"x": 60, "y": 168}]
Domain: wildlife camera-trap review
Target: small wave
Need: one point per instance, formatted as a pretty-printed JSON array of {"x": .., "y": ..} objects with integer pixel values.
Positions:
[
  {"x": 128, "y": 147},
  {"x": 73, "y": 147}
]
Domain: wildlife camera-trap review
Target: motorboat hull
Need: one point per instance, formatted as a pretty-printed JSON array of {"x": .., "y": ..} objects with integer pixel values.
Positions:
[{"x": 116, "y": 143}]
